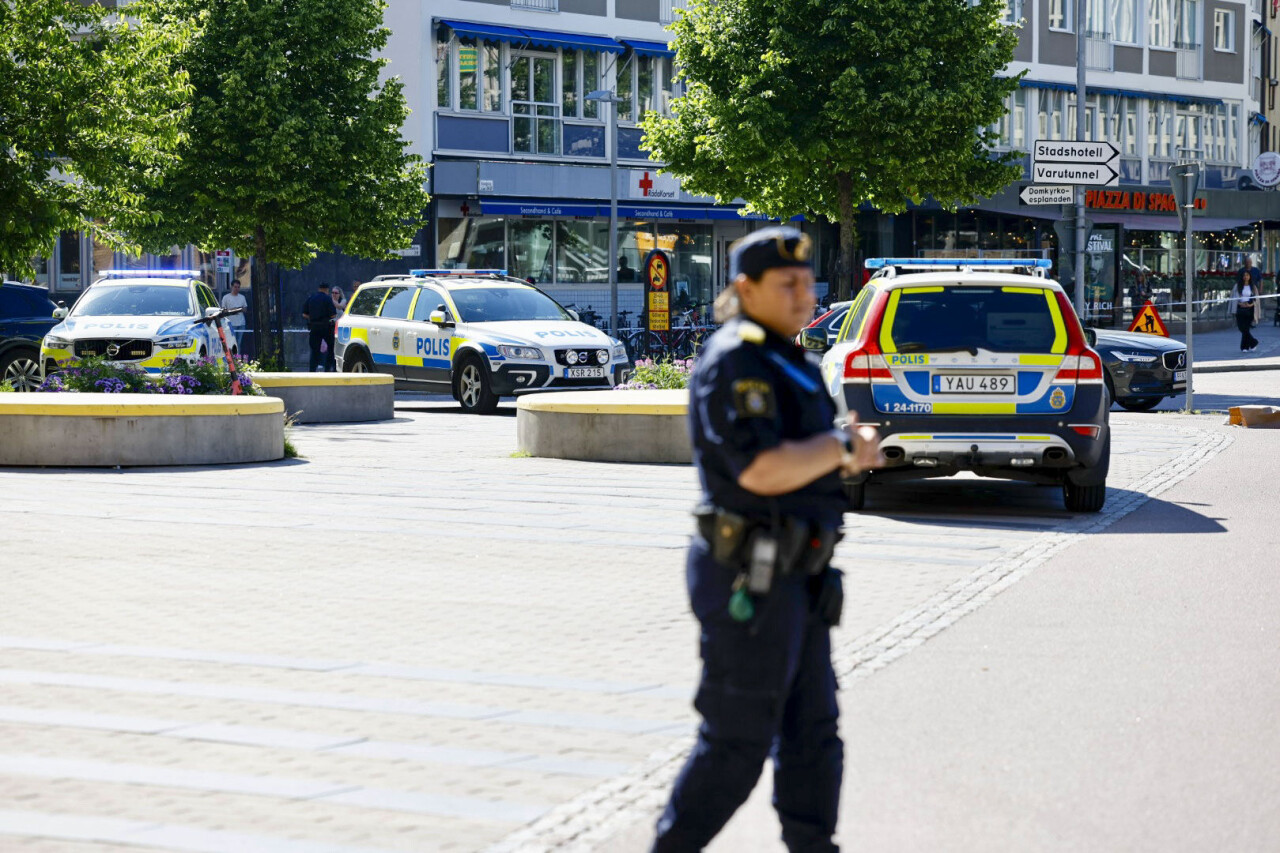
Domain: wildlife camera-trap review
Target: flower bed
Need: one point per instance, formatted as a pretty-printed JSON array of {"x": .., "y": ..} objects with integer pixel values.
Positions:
[
  {"x": 98, "y": 375},
  {"x": 659, "y": 375}
]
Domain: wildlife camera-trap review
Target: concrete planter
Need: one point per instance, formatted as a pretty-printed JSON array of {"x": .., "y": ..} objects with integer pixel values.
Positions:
[
  {"x": 606, "y": 426},
  {"x": 139, "y": 429},
  {"x": 330, "y": 398}
]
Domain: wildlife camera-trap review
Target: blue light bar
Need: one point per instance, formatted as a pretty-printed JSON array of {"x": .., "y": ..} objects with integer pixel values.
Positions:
[
  {"x": 149, "y": 273},
  {"x": 423, "y": 273},
  {"x": 924, "y": 263}
]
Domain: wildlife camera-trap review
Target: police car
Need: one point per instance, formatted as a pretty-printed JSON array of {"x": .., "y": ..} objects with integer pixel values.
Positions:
[
  {"x": 476, "y": 334},
  {"x": 972, "y": 365},
  {"x": 146, "y": 318}
]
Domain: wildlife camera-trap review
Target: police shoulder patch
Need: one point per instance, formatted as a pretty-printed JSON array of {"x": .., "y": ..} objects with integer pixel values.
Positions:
[
  {"x": 751, "y": 332},
  {"x": 753, "y": 398}
]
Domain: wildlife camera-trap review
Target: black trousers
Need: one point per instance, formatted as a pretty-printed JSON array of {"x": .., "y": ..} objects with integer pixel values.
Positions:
[
  {"x": 768, "y": 690},
  {"x": 1244, "y": 321},
  {"x": 322, "y": 334}
]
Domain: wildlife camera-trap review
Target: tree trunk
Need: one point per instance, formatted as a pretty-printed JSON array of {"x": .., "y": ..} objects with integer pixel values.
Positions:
[
  {"x": 261, "y": 296},
  {"x": 848, "y": 233}
]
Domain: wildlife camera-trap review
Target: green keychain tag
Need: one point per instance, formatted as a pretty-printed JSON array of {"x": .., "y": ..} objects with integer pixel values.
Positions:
[{"x": 741, "y": 607}]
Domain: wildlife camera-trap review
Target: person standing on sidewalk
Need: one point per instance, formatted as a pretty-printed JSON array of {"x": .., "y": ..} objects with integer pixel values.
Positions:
[
  {"x": 769, "y": 457},
  {"x": 232, "y": 300},
  {"x": 1245, "y": 301},
  {"x": 319, "y": 313}
]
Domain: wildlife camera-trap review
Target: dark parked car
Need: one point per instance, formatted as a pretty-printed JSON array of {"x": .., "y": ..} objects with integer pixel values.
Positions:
[
  {"x": 830, "y": 321},
  {"x": 26, "y": 315},
  {"x": 1141, "y": 369}
]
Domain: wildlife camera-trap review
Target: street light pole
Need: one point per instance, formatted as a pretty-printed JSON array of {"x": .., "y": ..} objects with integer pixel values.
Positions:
[
  {"x": 608, "y": 97},
  {"x": 1080, "y": 117}
]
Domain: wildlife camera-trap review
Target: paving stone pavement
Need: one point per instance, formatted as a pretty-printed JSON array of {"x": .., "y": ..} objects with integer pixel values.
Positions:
[{"x": 412, "y": 639}]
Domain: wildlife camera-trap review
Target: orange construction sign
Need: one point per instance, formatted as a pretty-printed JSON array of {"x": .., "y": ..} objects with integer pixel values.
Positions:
[{"x": 1148, "y": 320}]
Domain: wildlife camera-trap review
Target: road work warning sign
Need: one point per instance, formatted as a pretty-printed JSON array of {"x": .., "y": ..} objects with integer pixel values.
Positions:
[{"x": 1148, "y": 320}]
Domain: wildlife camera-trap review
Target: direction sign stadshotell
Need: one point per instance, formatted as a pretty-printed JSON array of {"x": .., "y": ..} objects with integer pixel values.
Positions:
[
  {"x": 1062, "y": 151},
  {"x": 1089, "y": 164}
]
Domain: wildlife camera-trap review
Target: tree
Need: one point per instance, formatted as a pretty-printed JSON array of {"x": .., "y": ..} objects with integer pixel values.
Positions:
[
  {"x": 818, "y": 106},
  {"x": 88, "y": 106},
  {"x": 293, "y": 144}
]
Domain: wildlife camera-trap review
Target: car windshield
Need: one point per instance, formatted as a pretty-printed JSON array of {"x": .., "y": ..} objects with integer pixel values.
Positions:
[
  {"x": 952, "y": 319},
  {"x": 129, "y": 300},
  {"x": 496, "y": 304}
]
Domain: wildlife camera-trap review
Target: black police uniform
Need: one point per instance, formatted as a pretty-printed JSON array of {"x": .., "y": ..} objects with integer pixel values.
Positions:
[
  {"x": 767, "y": 686},
  {"x": 320, "y": 311}
]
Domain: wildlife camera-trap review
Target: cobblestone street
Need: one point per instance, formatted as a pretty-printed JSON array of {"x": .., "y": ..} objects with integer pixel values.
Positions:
[{"x": 412, "y": 639}]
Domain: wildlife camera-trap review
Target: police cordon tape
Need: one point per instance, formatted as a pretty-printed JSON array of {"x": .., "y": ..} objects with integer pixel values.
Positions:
[{"x": 1181, "y": 303}]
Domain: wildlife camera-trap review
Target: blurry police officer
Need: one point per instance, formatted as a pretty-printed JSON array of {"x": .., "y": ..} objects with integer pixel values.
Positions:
[{"x": 770, "y": 457}]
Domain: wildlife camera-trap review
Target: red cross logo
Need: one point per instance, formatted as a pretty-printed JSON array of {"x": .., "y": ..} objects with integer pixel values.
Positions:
[{"x": 646, "y": 184}]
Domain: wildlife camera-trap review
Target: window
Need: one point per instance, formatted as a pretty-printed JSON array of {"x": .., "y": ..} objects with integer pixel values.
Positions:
[
  {"x": 1120, "y": 119},
  {"x": 1012, "y": 126},
  {"x": 1124, "y": 21},
  {"x": 535, "y": 126},
  {"x": 444, "y": 76},
  {"x": 1060, "y": 14},
  {"x": 540, "y": 5},
  {"x": 1224, "y": 30},
  {"x": 398, "y": 301},
  {"x": 580, "y": 76},
  {"x": 1096, "y": 19},
  {"x": 582, "y": 252},
  {"x": 1160, "y": 130},
  {"x": 531, "y": 251},
  {"x": 471, "y": 69},
  {"x": 645, "y": 84},
  {"x": 428, "y": 301},
  {"x": 492, "y": 57},
  {"x": 1053, "y": 119},
  {"x": 1012, "y": 12},
  {"x": 468, "y": 74},
  {"x": 366, "y": 302},
  {"x": 667, "y": 9}
]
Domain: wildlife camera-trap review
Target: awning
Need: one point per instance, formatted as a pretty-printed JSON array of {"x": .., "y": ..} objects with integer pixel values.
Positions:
[
  {"x": 627, "y": 209},
  {"x": 1257, "y": 118},
  {"x": 1122, "y": 93},
  {"x": 536, "y": 207},
  {"x": 1259, "y": 27},
  {"x": 649, "y": 48},
  {"x": 536, "y": 38}
]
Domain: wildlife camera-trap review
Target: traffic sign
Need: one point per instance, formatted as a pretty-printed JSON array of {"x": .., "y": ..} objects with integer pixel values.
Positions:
[
  {"x": 1033, "y": 194},
  {"x": 1148, "y": 320},
  {"x": 222, "y": 260},
  {"x": 1062, "y": 151},
  {"x": 1079, "y": 174}
]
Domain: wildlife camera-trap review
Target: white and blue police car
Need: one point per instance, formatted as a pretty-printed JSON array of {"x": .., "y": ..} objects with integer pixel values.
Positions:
[
  {"x": 478, "y": 335},
  {"x": 147, "y": 318}
]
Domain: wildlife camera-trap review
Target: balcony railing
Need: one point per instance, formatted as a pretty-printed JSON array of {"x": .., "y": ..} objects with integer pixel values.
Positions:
[
  {"x": 667, "y": 9},
  {"x": 1188, "y": 60},
  {"x": 1099, "y": 52},
  {"x": 540, "y": 5}
]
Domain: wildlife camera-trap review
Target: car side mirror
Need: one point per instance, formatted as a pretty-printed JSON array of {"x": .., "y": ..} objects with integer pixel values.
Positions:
[
  {"x": 212, "y": 312},
  {"x": 1091, "y": 337},
  {"x": 439, "y": 318},
  {"x": 572, "y": 313},
  {"x": 60, "y": 313},
  {"x": 814, "y": 340}
]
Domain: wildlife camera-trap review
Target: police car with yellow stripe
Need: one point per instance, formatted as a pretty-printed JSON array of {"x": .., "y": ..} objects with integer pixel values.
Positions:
[
  {"x": 476, "y": 334},
  {"x": 972, "y": 365},
  {"x": 147, "y": 318}
]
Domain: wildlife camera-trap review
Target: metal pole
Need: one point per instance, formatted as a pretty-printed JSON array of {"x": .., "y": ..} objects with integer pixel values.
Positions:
[
  {"x": 613, "y": 217},
  {"x": 1080, "y": 115},
  {"x": 1189, "y": 273}
]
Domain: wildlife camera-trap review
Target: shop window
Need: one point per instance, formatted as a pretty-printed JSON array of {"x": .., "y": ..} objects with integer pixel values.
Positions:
[
  {"x": 531, "y": 250},
  {"x": 690, "y": 249},
  {"x": 582, "y": 252},
  {"x": 69, "y": 260},
  {"x": 477, "y": 242}
]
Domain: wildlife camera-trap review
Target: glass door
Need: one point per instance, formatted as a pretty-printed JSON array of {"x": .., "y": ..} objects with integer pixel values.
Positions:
[{"x": 535, "y": 126}]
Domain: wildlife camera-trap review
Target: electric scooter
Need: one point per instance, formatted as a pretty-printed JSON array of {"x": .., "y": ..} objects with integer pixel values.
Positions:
[{"x": 214, "y": 315}]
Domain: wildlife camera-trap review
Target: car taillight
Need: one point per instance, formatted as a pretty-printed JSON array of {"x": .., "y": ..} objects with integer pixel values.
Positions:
[
  {"x": 1084, "y": 368},
  {"x": 865, "y": 364},
  {"x": 1087, "y": 430}
]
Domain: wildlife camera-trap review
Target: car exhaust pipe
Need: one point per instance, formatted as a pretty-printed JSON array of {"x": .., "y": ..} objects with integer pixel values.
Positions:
[
  {"x": 1055, "y": 454},
  {"x": 893, "y": 454}
]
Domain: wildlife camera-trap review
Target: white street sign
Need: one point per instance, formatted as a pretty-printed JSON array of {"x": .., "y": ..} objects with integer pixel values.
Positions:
[
  {"x": 1033, "y": 194},
  {"x": 1080, "y": 174},
  {"x": 1063, "y": 151}
]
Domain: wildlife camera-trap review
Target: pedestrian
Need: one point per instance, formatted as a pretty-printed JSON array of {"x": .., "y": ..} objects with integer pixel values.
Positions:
[
  {"x": 232, "y": 300},
  {"x": 769, "y": 457},
  {"x": 339, "y": 299},
  {"x": 319, "y": 313},
  {"x": 1245, "y": 299}
]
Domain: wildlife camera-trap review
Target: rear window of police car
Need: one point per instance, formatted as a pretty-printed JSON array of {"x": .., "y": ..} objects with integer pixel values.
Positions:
[
  {"x": 1000, "y": 319},
  {"x": 367, "y": 301}
]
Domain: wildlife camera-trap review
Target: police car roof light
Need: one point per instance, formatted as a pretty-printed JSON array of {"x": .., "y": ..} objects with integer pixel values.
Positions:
[
  {"x": 149, "y": 273},
  {"x": 950, "y": 263},
  {"x": 424, "y": 273}
]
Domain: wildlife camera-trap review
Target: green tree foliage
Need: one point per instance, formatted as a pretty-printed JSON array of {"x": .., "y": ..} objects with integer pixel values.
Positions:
[
  {"x": 293, "y": 143},
  {"x": 818, "y": 106},
  {"x": 89, "y": 105}
]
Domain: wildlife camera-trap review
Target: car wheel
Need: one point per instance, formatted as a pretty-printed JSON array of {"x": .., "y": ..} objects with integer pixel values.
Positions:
[
  {"x": 21, "y": 369},
  {"x": 1084, "y": 498},
  {"x": 474, "y": 390},
  {"x": 857, "y": 495},
  {"x": 357, "y": 362},
  {"x": 1140, "y": 404}
]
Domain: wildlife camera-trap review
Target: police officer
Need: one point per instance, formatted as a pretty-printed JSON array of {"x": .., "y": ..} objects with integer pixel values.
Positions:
[
  {"x": 769, "y": 456},
  {"x": 319, "y": 312}
]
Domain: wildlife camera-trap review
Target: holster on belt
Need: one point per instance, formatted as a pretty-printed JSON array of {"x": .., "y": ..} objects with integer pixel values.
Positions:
[{"x": 802, "y": 548}]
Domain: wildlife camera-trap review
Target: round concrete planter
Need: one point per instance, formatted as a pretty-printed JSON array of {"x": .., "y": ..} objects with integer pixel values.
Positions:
[
  {"x": 139, "y": 429},
  {"x": 330, "y": 398},
  {"x": 606, "y": 426}
]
